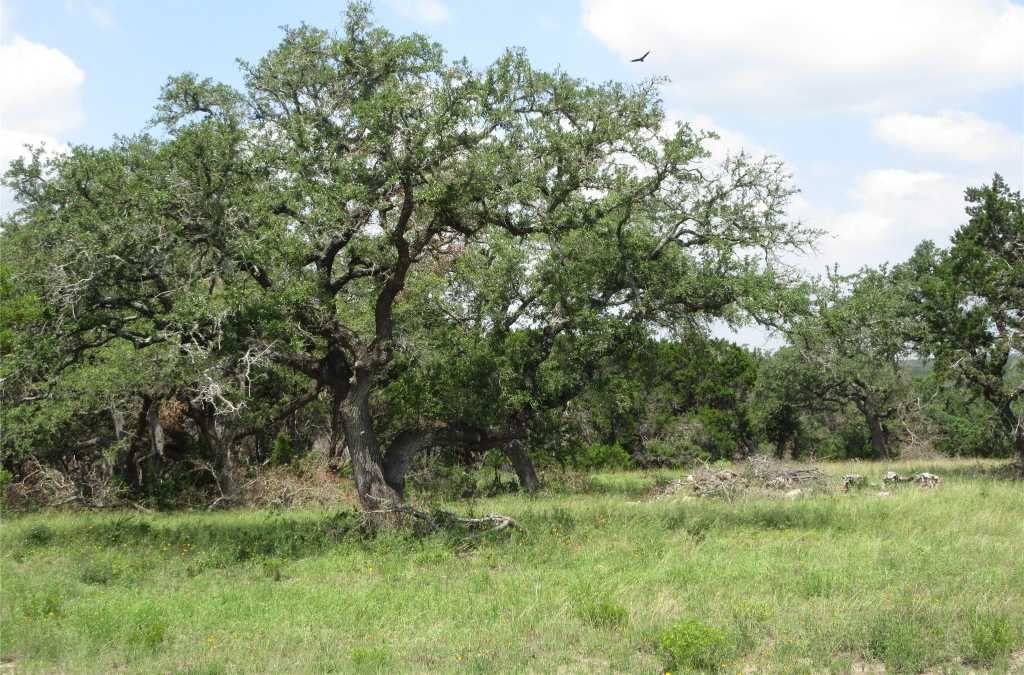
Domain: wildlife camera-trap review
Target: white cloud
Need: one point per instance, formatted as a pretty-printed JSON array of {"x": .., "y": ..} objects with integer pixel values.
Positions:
[
  {"x": 807, "y": 55},
  {"x": 955, "y": 135},
  {"x": 894, "y": 210},
  {"x": 101, "y": 15},
  {"x": 40, "y": 88},
  {"x": 730, "y": 142},
  {"x": 428, "y": 11},
  {"x": 39, "y": 100}
]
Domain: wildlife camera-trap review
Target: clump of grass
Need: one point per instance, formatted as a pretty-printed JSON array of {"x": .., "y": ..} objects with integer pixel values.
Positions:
[
  {"x": 272, "y": 568},
  {"x": 39, "y": 534},
  {"x": 602, "y": 613},
  {"x": 904, "y": 640},
  {"x": 695, "y": 645},
  {"x": 96, "y": 572},
  {"x": 213, "y": 668},
  {"x": 146, "y": 629},
  {"x": 991, "y": 638},
  {"x": 370, "y": 659},
  {"x": 44, "y": 604}
]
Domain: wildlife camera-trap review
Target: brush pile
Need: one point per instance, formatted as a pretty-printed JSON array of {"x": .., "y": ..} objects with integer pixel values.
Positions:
[{"x": 758, "y": 474}]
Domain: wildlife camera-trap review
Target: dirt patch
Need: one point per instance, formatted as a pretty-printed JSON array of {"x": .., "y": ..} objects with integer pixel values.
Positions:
[{"x": 1017, "y": 662}]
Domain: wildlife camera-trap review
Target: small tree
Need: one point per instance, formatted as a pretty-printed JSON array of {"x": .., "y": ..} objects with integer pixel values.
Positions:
[
  {"x": 854, "y": 343},
  {"x": 970, "y": 298}
]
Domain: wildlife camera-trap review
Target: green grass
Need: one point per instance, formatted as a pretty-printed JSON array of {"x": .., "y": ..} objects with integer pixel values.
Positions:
[{"x": 603, "y": 580}]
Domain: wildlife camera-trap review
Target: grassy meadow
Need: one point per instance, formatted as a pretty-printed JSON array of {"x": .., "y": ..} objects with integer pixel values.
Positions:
[{"x": 604, "y": 578}]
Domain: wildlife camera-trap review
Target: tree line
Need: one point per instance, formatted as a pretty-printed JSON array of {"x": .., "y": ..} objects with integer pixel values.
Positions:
[{"x": 408, "y": 260}]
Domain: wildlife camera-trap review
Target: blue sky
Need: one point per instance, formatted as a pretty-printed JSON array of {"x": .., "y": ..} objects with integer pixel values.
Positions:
[{"x": 883, "y": 111}]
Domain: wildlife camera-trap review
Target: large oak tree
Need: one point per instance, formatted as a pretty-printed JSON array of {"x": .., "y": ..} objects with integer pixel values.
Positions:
[{"x": 303, "y": 228}]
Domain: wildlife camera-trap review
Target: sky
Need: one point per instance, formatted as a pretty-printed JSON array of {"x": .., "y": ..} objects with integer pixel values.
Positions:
[{"x": 884, "y": 112}]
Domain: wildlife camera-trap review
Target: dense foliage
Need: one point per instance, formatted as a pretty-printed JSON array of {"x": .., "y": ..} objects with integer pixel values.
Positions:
[{"x": 402, "y": 261}]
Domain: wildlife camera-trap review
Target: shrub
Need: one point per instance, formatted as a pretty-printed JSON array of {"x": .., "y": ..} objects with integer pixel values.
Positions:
[
  {"x": 600, "y": 456},
  {"x": 282, "y": 452},
  {"x": 662, "y": 454},
  {"x": 695, "y": 645}
]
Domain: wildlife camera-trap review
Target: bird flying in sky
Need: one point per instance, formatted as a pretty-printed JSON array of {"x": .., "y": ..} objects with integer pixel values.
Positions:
[{"x": 641, "y": 59}]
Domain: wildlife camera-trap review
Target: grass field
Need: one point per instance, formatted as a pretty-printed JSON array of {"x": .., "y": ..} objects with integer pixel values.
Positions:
[{"x": 604, "y": 579}]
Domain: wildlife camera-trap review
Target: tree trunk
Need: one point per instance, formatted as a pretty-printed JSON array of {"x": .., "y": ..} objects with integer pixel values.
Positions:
[
  {"x": 880, "y": 437},
  {"x": 1015, "y": 428},
  {"x": 516, "y": 452},
  {"x": 223, "y": 458},
  {"x": 400, "y": 455},
  {"x": 375, "y": 494},
  {"x": 128, "y": 463}
]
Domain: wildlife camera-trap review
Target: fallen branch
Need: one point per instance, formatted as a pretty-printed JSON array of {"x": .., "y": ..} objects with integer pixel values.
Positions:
[{"x": 438, "y": 520}]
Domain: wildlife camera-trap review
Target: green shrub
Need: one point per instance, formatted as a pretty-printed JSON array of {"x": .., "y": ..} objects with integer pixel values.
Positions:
[
  {"x": 600, "y": 456},
  {"x": 695, "y": 645},
  {"x": 991, "y": 637},
  {"x": 282, "y": 452},
  {"x": 662, "y": 454},
  {"x": 848, "y": 439}
]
